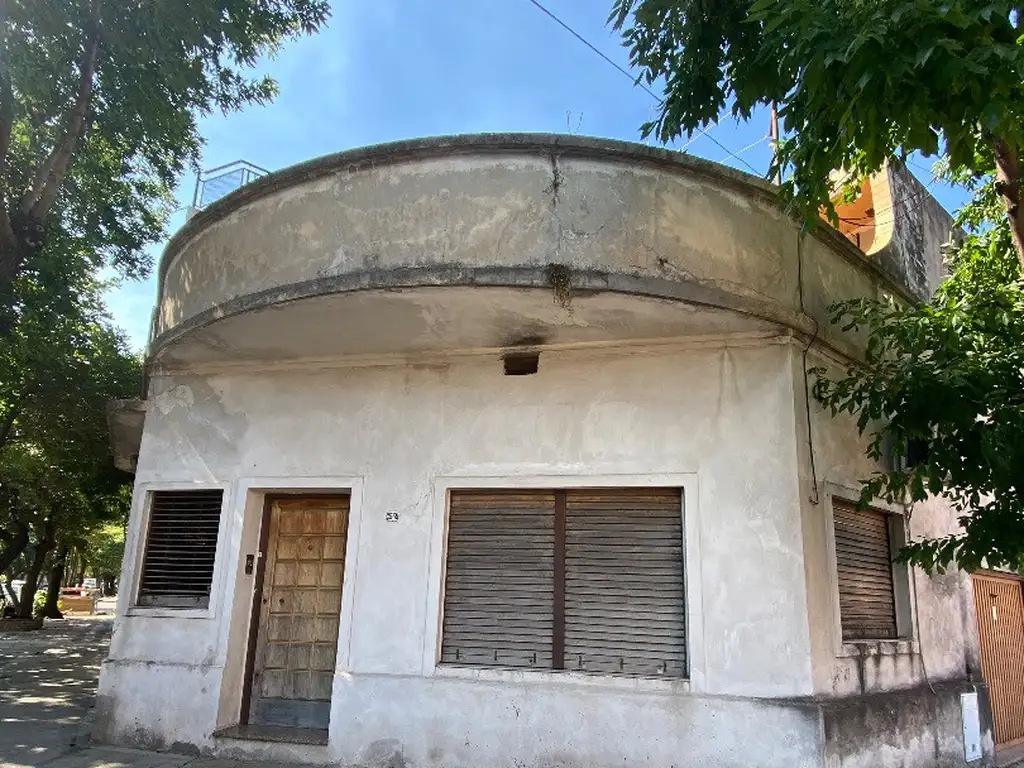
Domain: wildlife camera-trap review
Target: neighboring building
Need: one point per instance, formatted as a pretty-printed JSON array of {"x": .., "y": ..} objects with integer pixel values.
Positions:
[{"x": 372, "y": 527}]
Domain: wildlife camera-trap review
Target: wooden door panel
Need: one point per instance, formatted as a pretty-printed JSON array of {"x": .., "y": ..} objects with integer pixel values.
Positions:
[
  {"x": 999, "y": 605},
  {"x": 297, "y": 635}
]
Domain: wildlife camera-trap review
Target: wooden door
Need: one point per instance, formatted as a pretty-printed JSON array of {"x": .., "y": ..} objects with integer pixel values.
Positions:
[
  {"x": 999, "y": 604},
  {"x": 299, "y": 612}
]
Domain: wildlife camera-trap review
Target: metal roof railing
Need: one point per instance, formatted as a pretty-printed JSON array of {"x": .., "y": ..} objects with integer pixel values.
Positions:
[{"x": 215, "y": 183}]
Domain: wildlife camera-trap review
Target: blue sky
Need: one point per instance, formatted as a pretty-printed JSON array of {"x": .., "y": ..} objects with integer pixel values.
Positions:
[{"x": 384, "y": 70}]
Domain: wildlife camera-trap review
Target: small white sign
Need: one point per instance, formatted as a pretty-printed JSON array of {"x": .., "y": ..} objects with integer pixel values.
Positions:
[{"x": 972, "y": 726}]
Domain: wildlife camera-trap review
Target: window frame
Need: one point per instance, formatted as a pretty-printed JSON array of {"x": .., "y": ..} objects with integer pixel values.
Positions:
[
  {"x": 135, "y": 551},
  {"x": 687, "y": 483},
  {"x": 904, "y": 599}
]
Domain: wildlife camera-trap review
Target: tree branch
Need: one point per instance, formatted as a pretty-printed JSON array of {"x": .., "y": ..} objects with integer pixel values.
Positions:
[
  {"x": 51, "y": 175},
  {"x": 7, "y": 425},
  {"x": 9, "y": 257},
  {"x": 6, "y": 92},
  {"x": 8, "y": 242},
  {"x": 16, "y": 544},
  {"x": 1008, "y": 184}
]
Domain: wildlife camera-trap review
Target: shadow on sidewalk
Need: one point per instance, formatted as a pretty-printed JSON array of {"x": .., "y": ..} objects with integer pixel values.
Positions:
[{"x": 47, "y": 685}]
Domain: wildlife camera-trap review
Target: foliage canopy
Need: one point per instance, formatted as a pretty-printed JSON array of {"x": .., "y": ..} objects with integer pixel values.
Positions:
[
  {"x": 857, "y": 82},
  {"x": 950, "y": 375},
  {"x": 98, "y": 107}
]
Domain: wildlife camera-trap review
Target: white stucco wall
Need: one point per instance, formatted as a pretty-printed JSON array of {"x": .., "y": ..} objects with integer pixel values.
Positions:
[
  {"x": 282, "y": 315},
  {"x": 721, "y": 417},
  {"x": 495, "y": 211},
  {"x": 942, "y": 636}
]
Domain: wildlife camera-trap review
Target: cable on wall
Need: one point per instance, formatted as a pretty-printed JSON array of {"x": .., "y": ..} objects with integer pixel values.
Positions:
[
  {"x": 815, "y": 497},
  {"x": 917, "y": 627}
]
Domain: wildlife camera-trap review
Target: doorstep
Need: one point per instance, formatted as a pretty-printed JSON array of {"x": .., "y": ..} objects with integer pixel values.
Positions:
[
  {"x": 1010, "y": 757},
  {"x": 312, "y": 737}
]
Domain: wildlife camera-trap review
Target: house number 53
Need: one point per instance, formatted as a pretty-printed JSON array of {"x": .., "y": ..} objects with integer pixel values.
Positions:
[{"x": 391, "y": 517}]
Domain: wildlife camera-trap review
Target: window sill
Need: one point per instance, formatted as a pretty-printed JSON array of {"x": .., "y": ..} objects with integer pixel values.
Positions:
[
  {"x": 577, "y": 679},
  {"x": 899, "y": 647},
  {"x": 154, "y": 612}
]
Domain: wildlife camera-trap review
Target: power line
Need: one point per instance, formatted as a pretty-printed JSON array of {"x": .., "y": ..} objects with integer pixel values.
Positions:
[
  {"x": 877, "y": 220},
  {"x": 919, "y": 166},
  {"x": 728, "y": 152},
  {"x": 635, "y": 81},
  {"x": 753, "y": 144},
  {"x": 595, "y": 49}
]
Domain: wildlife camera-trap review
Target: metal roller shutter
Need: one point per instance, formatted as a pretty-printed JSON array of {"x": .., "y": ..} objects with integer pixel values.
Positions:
[
  {"x": 867, "y": 606},
  {"x": 624, "y": 599},
  {"x": 499, "y": 585},
  {"x": 181, "y": 546}
]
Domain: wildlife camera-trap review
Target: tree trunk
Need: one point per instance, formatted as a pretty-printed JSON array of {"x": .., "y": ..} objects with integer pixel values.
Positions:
[
  {"x": 35, "y": 568},
  {"x": 41, "y": 197},
  {"x": 13, "y": 255},
  {"x": 12, "y": 610},
  {"x": 7, "y": 425},
  {"x": 1008, "y": 185},
  {"x": 16, "y": 546},
  {"x": 51, "y": 610},
  {"x": 80, "y": 575}
]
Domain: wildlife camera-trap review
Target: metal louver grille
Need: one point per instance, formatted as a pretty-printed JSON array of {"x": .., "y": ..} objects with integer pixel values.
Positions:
[
  {"x": 867, "y": 605},
  {"x": 580, "y": 580},
  {"x": 624, "y": 606},
  {"x": 181, "y": 545},
  {"x": 498, "y": 593}
]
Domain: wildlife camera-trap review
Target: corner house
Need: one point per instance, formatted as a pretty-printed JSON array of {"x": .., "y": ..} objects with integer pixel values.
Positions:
[{"x": 497, "y": 451}]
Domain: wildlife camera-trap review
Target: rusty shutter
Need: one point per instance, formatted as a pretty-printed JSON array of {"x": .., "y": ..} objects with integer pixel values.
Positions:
[
  {"x": 181, "y": 545},
  {"x": 499, "y": 583},
  {"x": 867, "y": 607},
  {"x": 624, "y": 600}
]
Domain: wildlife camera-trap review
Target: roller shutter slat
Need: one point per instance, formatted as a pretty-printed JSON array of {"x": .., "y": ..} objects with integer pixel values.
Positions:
[
  {"x": 499, "y": 579},
  {"x": 624, "y": 554},
  {"x": 631, "y": 665},
  {"x": 867, "y": 604}
]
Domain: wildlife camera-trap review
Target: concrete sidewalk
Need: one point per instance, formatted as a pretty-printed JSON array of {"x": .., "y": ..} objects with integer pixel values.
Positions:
[
  {"x": 47, "y": 685},
  {"x": 47, "y": 689}
]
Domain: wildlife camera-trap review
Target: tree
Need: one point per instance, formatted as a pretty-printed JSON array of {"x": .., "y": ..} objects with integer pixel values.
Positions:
[
  {"x": 100, "y": 498},
  {"x": 59, "y": 366},
  {"x": 106, "y": 551},
  {"x": 857, "y": 83},
  {"x": 98, "y": 108},
  {"x": 950, "y": 375}
]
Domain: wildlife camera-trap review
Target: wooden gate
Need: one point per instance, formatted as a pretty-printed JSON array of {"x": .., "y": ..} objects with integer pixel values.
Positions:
[
  {"x": 297, "y": 616},
  {"x": 999, "y": 605}
]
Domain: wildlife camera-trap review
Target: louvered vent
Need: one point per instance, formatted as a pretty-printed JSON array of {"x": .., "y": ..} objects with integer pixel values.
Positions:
[
  {"x": 181, "y": 545},
  {"x": 867, "y": 605}
]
